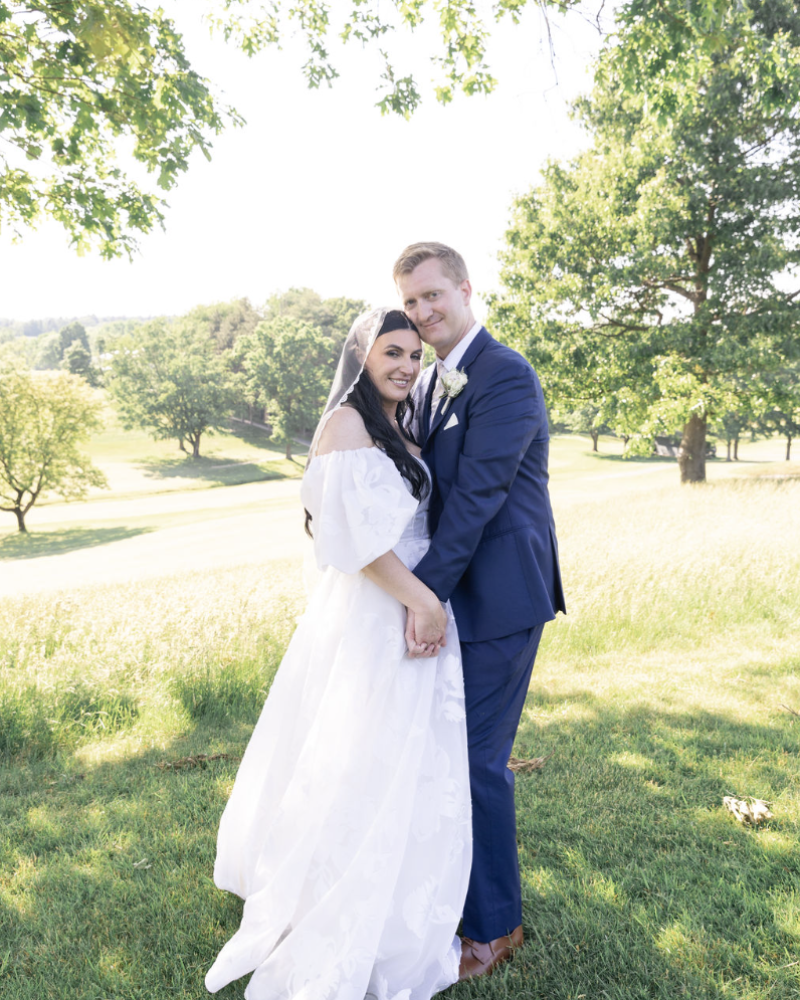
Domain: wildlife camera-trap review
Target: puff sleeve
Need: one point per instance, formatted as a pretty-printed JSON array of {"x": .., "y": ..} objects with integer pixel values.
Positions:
[{"x": 359, "y": 504}]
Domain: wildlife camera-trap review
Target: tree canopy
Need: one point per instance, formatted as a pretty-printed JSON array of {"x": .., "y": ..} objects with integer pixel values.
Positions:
[
  {"x": 464, "y": 28},
  {"x": 76, "y": 80},
  {"x": 44, "y": 416},
  {"x": 225, "y": 322},
  {"x": 655, "y": 274},
  {"x": 169, "y": 379},
  {"x": 332, "y": 317},
  {"x": 81, "y": 81},
  {"x": 286, "y": 365},
  {"x": 78, "y": 360}
]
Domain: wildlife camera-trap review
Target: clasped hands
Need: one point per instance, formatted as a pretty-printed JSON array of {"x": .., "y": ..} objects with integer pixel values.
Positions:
[{"x": 426, "y": 630}]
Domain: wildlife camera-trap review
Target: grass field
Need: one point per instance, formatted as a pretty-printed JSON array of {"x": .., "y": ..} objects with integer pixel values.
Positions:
[
  {"x": 659, "y": 693},
  {"x": 135, "y": 464}
]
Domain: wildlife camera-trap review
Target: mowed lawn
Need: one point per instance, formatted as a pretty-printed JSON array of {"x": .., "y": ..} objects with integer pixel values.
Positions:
[
  {"x": 673, "y": 681},
  {"x": 163, "y": 512}
]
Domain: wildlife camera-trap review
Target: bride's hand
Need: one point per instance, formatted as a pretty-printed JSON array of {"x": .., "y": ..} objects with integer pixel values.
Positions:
[{"x": 426, "y": 629}]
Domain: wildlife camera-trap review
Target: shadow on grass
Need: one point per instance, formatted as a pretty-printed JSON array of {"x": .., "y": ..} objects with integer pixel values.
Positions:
[
  {"x": 718, "y": 459},
  {"x": 639, "y": 459},
  {"x": 52, "y": 543},
  {"x": 779, "y": 478},
  {"x": 636, "y": 884},
  {"x": 219, "y": 470},
  {"x": 258, "y": 437},
  {"x": 254, "y": 435}
]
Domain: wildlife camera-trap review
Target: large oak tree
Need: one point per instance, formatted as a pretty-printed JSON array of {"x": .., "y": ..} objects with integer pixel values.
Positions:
[{"x": 656, "y": 274}]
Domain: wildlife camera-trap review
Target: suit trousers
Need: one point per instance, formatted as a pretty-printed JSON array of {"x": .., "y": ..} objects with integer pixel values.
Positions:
[{"x": 496, "y": 677}]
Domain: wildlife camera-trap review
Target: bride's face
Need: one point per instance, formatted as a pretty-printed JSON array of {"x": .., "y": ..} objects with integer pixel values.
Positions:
[{"x": 393, "y": 365}]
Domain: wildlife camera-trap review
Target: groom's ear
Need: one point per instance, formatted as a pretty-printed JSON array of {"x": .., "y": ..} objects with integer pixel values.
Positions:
[{"x": 466, "y": 291}]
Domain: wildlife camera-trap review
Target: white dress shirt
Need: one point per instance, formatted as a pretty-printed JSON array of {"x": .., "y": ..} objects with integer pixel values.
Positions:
[
  {"x": 450, "y": 362},
  {"x": 458, "y": 352}
]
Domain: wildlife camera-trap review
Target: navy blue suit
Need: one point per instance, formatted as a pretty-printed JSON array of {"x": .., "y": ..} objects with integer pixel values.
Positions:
[{"x": 494, "y": 556}]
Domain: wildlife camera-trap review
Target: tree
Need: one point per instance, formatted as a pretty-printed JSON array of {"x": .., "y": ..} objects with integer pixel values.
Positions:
[
  {"x": 337, "y": 316},
  {"x": 332, "y": 317},
  {"x": 654, "y": 271},
  {"x": 49, "y": 353},
  {"x": 287, "y": 369},
  {"x": 731, "y": 424},
  {"x": 783, "y": 405},
  {"x": 584, "y": 419},
  {"x": 53, "y": 346},
  {"x": 44, "y": 416},
  {"x": 169, "y": 379},
  {"x": 75, "y": 77},
  {"x": 225, "y": 322},
  {"x": 78, "y": 361},
  {"x": 20, "y": 351},
  {"x": 71, "y": 333},
  {"x": 464, "y": 30}
]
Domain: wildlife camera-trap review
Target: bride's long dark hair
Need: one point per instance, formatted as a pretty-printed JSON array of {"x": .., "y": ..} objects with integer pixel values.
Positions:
[{"x": 366, "y": 400}]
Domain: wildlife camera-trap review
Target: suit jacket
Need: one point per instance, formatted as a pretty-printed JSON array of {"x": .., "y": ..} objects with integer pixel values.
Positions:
[{"x": 493, "y": 550}]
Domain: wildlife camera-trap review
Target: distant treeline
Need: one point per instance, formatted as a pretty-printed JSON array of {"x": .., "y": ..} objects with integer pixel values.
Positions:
[
  {"x": 12, "y": 328},
  {"x": 183, "y": 377}
]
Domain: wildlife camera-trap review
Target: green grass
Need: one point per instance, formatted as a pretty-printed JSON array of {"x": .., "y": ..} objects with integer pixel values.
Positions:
[
  {"x": 59, "y": 540},
  {"x": 69, "y": 536},
  {"x": 137, "y": 465},
  {"x": 116, "y": 444},
  {"x": 658, "y": 694}
]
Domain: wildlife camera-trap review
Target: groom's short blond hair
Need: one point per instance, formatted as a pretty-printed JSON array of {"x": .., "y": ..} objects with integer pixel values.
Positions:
[{"x": 452, "y": 262}]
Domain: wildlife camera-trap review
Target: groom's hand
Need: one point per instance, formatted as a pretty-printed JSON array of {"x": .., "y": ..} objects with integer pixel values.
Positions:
[
  {"x": 426, "y": 631},
  {"x": 415, "y": 651}
]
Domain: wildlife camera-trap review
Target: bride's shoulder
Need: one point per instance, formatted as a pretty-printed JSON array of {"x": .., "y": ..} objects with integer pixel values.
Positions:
[{"x": 344, "y": 431}]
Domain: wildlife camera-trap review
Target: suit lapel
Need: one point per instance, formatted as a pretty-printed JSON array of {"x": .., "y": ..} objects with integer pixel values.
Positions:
[
  {"x": 422, "y": 403},
  {"x": 482, "y": 338},
  {"x": 426, "y": 405}
]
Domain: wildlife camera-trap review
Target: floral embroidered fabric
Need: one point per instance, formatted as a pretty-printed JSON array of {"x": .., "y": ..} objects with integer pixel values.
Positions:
[{"x": 348, "y": 829}]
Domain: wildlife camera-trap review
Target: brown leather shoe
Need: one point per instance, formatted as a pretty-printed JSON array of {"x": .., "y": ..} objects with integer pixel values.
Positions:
[{"x": 478, "y": 959}]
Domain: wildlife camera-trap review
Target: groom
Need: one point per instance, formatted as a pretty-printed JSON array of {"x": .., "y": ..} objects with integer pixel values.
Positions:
[{"x": 493, "y": 555}]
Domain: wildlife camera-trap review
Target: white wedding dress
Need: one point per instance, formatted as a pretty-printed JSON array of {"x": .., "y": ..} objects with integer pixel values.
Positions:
[{"x": 348, "y": 831}]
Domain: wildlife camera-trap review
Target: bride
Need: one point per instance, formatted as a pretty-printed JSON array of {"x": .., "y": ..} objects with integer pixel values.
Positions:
[{"x": 348, "y": 830}]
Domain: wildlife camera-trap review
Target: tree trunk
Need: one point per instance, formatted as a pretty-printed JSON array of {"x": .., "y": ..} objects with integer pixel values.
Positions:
[
  {"x": 728, "y": 457},
  {"x": 788, "y": 447},
  {"x": 595, "y": 436},
  {"x": 181, "y": 445},
  {"x": 289, "y": 449},
  {"x": 692, "y": 454},
  {"x": 736, "y": 448},
  {"x": 20, "y": 519},
  {"x": 196, "y": 447}
]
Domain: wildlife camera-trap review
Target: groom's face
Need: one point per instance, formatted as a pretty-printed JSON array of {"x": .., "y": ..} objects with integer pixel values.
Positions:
[{"x": 436, "y": 305}]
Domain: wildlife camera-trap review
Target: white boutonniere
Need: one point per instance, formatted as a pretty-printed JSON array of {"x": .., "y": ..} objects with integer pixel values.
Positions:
[{"x": 452, "y": 384}]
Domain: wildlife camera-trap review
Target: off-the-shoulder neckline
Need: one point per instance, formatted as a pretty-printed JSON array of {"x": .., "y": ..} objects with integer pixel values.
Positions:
[
  {"x": 365, "y": 447},
  {"x": 345, "y": 451}
]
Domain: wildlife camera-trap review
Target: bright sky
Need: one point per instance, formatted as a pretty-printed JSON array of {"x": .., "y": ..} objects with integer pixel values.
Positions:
[{"x": 318, "y": 189}]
